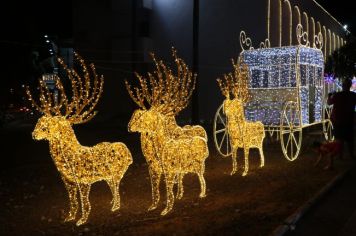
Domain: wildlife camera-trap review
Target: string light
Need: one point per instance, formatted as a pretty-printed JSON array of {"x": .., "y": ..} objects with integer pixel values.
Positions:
[
  {"x": 336, "y": 43},
  {"x": 78, "y": 165},
  {"x": 286, "y": 74},
  {"x": 169, "y": 149},
  {"x": 242, "y": 133}
]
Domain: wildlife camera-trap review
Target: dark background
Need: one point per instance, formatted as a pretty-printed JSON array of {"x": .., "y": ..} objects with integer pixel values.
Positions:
[
  {"x": 342, "y": 11},
  {"x": 23, "y": 25}
]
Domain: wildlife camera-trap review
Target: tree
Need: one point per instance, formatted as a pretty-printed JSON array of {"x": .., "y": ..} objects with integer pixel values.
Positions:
[{"x": 342, "y": 63}]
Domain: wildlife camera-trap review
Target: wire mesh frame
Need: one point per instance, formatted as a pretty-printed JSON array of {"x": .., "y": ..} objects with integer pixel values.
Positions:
[{"x": 309, "y": 82}]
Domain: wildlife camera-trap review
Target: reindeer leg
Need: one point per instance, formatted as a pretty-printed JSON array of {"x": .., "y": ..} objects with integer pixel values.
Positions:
[
  {"x": 84, "y": 190},
  {"x": 261, "y": 156},
  {"x": 170, "y": 196},
  {"x": 73, "y": 201},
  {"x": 202, "y": 182},
  {"x": 180, "y": 186},
  {"x": 234, "y": 161},
  {"x": 155, "y": 180},
  {"x": 110, "y": 182},
  {"x": 246, "y": 153},
  {"x": 116, "y": 193}
]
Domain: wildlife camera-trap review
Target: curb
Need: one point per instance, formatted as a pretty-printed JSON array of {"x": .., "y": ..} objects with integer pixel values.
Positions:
[{"x": 290, "y": 222}]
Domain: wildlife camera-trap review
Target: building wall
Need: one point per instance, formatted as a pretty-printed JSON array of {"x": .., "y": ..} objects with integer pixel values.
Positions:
[
  {"x": 103, "y": 34},
  {"x": 220, "y": 24},
  {"x": 118, "y": 36}
]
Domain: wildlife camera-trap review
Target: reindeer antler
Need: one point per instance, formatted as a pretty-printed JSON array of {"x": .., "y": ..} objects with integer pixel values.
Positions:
[
  {"x": 167, "y": 92},
  {"x": 236, "y": 83},
  {"x": 80, "y": 108}
]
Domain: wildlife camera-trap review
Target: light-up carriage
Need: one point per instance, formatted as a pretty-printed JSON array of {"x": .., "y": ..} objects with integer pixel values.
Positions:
[{"x": 287, "y": 94}]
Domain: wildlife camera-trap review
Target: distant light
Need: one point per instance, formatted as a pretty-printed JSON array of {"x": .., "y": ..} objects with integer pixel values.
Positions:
[
  {"x": 46, "y": 36},
  {"x": 47, "y": 41},
  {"x": 345, "y": 27},
  {"x": 50, "y": 50}
]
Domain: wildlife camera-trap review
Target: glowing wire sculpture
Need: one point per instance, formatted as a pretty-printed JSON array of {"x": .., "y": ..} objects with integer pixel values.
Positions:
[
  {"x": 169, "y": 149},
  {"x": 78, "y": 165},
  {"x": 242, "y": 133},
  {"x": 287, "y": 92}
]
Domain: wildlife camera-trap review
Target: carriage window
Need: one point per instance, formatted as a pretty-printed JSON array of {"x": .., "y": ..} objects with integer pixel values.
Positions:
[
  {"x": 303, "y": 75},
  {"x": 311, "y": 75},
  {"x": 255, "y": 77},
  {"x": 284, "y": 77},
  {"x": 264, "y": 79},
  {"x": 273, "y": 80}
]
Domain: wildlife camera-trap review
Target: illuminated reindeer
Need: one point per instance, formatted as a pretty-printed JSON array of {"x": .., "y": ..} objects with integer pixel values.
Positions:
[
  {"x": 168, "y": 148},
  {"x": 243, "y": 134},
  {"x": 78, "y": 165}
]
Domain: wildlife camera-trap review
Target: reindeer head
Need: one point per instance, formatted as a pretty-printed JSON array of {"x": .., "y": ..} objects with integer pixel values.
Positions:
[
  {"x": 47, "y": 127},
  {"x": 235, "y": 89},
  {"x": 235, "y": 85},
  {"x": 60, "y": 111},
  {"x": 162, "y": 95},
  {"x": 234, "y": 109},
  {"x": 146, "y": 121}
]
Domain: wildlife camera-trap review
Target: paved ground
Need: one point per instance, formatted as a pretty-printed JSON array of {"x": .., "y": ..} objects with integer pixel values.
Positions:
[
  {"x": 334, "y": 214},
  {"x": 35, "y": 201}
]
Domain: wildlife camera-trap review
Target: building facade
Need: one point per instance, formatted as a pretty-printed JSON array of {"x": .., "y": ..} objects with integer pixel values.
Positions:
[{"x": 118, "y": 36}]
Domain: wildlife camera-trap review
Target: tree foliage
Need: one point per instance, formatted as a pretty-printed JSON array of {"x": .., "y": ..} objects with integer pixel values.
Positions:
[{"x": 342, "y": 62}]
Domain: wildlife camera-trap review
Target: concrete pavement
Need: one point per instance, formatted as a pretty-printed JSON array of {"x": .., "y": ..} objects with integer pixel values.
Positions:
[{"x": 333, "y": 214}]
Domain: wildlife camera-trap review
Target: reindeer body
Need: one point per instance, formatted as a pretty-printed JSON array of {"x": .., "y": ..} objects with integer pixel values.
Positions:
[
  {"x": 168, "y": 148},
  {"x": 243, "y": 134},
  {"x": 82, "y": 166},
  {"x": 155, "y": 165},
  {"x": 179, "y": 157},
  {"x": 78, "y": 165},
  {"x": 175, "y": 155}
]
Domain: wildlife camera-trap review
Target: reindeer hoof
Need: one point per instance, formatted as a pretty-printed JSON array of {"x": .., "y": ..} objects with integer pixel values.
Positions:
[
  {"x": 70, "y": 217},
  {"x": 165, "y": 211},
  {"x": 202, "y": 195},
  {"x": 81, "y": 221},
  {"x": 233, "y": 172},
  {"x": 152, "y": 207},
  {"x": 244, "y": 174},
  {"x": 115, "y": 207}
]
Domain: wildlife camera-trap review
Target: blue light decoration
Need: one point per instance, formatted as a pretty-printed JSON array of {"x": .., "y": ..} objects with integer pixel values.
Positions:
[
  {"x": 278, "y": 75},
  {"x": 353, "y": 87},
  {"x": 332, "y": 83}
]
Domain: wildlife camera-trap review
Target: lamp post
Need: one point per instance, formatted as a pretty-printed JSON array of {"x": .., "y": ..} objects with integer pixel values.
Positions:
[{"x": 195, "y": 99}]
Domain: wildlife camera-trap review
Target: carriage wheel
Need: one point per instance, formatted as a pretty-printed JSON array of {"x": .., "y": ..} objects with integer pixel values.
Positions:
[
  {"x": 221, "y": 135},
  {"x": 291, "y": 130},
  {"x": 327, "y": 125}
]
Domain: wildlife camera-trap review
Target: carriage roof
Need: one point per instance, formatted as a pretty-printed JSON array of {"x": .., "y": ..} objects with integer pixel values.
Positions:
[
  {"x": 283, "y": 66},
  {"x": 283, "y": 55}
]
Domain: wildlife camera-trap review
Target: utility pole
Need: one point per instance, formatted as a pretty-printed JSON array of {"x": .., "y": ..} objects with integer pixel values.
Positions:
[{"x": 195, "y": 98}]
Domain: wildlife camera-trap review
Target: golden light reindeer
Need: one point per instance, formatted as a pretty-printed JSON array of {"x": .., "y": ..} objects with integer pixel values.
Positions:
[
  {"x": 169, "y": 149},
  {"x": 243, "y": 134},
  {"x": 78, "y": 165}
]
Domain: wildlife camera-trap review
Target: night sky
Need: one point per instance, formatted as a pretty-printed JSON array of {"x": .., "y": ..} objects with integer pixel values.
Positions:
[{"x": 343, "y": 11}]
